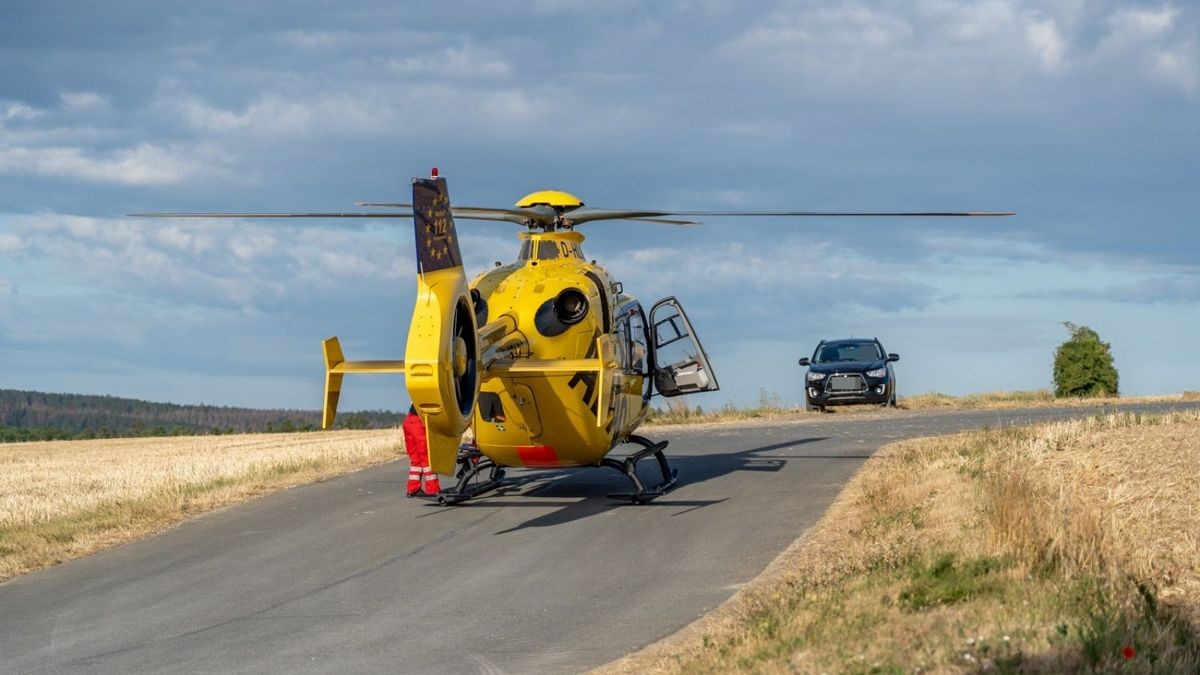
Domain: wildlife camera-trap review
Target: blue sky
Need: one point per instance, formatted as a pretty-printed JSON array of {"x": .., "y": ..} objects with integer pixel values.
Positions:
[{"x": 1081, "y": 115}]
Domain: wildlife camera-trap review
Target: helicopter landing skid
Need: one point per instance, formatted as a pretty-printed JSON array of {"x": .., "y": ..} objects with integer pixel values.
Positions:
[
  {"x": 628, "y": 467},
  {"x": 473, "y": 464}
]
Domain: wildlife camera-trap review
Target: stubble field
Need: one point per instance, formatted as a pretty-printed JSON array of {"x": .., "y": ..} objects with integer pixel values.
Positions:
[{"x": 64, "y": 499}]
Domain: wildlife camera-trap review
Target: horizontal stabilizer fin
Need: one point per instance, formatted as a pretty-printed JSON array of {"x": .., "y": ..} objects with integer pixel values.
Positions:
[
  {"x": 369, "y": 367},
  {"x": 336, "y": 367}
]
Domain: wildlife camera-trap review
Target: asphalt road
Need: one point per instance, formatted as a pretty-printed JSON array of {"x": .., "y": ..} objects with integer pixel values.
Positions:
[{"x": 348, "y": 575}]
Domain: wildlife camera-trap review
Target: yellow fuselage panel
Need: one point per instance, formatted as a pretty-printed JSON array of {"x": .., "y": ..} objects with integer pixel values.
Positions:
[{"x": 550, "y": 419}]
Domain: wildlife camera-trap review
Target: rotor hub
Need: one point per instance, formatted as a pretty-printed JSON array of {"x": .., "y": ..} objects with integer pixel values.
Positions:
[
  {"x": 556, "y": 199},
  {"x": 459, "y": 356}
]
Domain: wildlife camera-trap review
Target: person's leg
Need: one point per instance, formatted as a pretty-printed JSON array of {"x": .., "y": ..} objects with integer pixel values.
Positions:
[
  {"x": 414, "y": 480},
  {"x": 432, "y": 486}
]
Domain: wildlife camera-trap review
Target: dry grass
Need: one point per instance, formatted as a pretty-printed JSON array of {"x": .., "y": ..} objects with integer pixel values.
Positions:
[
  {"x": 1047, "y": 549},
  {"x": 1034, "y": 398},
  {"x": 771, "y": 406},
  {"x": 678, "y": 411},
  {"x": 64, "y": 499},
  {"x": 991, "y": 399}
]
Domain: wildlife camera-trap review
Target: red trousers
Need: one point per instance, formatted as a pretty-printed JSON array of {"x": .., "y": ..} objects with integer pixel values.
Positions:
[{"x": 418, "y": 458}]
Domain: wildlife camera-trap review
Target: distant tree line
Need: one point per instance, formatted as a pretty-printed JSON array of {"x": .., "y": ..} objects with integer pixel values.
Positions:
[{"x": 36, "y": 416}]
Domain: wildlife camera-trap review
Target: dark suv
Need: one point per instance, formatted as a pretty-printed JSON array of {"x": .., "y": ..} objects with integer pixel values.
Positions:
[{"x": 849, "y": 371}]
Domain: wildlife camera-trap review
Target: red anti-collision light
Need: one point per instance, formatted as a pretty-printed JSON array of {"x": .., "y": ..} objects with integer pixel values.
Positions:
[{"x": 434, "y": 173}]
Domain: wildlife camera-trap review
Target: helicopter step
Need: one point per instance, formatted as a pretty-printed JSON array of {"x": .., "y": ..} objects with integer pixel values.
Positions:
[
  {"x": 472, "y": 464},
  {"x": 628, "y": 467}
]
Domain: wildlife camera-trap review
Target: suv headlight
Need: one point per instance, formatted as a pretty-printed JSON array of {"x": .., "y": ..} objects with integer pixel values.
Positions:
[
  {"x": 882, "y": 372},
  {"x": 815, "y": 377}
]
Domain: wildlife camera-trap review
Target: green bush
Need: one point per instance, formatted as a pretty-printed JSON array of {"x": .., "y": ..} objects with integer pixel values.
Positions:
[{"x": 1083, "y": 365}]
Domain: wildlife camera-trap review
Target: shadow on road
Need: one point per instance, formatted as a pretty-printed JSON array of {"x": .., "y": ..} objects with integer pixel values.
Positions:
[{"x": 582, "y": 493}]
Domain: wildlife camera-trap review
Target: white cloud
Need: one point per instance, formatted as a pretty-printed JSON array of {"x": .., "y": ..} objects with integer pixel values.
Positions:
[
  {"x": 189, "y": 240},
  {"x": 1176, "y": 66},
  {"x": 18, "y": 111},
  {"x": 270, "y": 114},
  {"x": 318, "y": 39},
  {"x": 974, "y": 22},
  {"x": 83, "y": 100},
  {"x": 366, "y": 113},
  {"x": 6, "y": 287},
  {"x": 1157, "y": 40},
  {"x": 251, "y": 245},
  {"x": 463, "y": 61},
  {"x": 1175, "y": 289},
  {"x": 248, "y": 264},
  {"x": 582, "y": 6},
  {"x": 936, "y": 45},
  {"x": 816, "y": 275},
  {"x": 1047, "y": 41},
  {"x": 414, "y": 111},
  {"x": 367, "y": 39},
  {"x": 1135, "y": 24},
  {"x": 850, "y": 49},
  {"x": 803, "y": 34},
  {"x": 143, "y": 164},
  {"x": 10, "y": 243}
]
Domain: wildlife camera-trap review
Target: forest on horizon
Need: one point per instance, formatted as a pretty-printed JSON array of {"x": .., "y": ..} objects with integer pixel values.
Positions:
[{"x": 39, "y": 416}]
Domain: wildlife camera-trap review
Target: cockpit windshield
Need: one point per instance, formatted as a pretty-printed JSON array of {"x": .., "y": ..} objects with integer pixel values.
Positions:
[
  {"x": 848, "y": 351},
  {"x": 549, "y": 250}
]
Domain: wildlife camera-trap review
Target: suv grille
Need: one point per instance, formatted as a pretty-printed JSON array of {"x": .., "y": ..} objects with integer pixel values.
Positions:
[{"x": 846, "y": 383}]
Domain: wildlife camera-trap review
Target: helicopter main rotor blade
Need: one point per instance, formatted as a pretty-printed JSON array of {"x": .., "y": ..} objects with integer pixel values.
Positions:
[
  {"x": 786, "y": 214},
  {"x": 521, "y": 216},
  {"x": 269, "y": 215},
  {"x": 587, "y": 214},
  {"x": 667, "y": 221},
  {"x": 468, "y": 214},
  {"x": 518, "y": 216},
  {"x": 546, "y": 216}
]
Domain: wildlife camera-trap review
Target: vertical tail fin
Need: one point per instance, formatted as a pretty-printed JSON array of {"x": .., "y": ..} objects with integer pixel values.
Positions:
[
  {"x": 442, "y": 356},
  {"x": 333, "y": 380}
]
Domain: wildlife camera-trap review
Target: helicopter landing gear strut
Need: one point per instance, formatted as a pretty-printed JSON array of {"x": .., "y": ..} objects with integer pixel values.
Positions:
[
  {"x": 628, "y": 467},
  {"x": 472, "y": 465}
]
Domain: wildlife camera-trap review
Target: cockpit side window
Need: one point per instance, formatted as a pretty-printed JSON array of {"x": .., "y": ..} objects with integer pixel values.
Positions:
[{"x": 637, "y": 342}]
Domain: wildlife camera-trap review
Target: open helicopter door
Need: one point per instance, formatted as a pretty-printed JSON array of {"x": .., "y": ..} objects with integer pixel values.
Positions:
[{"x": 680, "y": 364}]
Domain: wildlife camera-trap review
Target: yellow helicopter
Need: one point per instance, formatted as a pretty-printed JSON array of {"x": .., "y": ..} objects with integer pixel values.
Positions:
[{"x": 549, "y": 360}]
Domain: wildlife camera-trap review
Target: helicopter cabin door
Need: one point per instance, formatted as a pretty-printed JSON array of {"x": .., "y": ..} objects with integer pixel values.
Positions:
[{"x": 680, "y": 364}]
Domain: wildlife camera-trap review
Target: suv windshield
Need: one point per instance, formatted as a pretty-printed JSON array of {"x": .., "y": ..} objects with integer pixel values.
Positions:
[{"x": 848, "y": 351}]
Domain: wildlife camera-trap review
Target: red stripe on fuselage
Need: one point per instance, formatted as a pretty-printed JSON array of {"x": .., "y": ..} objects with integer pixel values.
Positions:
[{"x": 538, "y": 455}]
